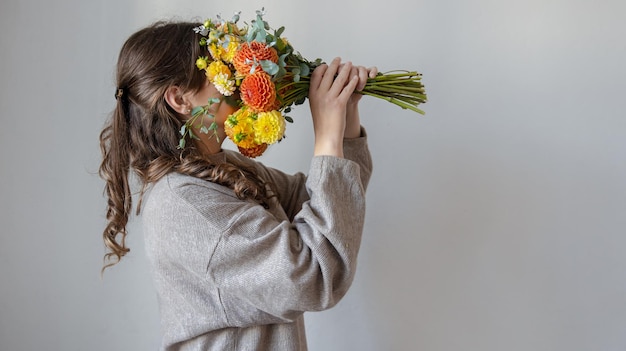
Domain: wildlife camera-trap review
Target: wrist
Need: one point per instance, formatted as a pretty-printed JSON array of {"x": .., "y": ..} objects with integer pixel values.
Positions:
[
  {"x": 328, "y": 147},
  {"x": 353, "y": 122}
]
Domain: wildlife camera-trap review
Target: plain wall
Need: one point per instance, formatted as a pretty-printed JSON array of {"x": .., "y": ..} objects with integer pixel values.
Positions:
[{"x": 495, "y": 222}]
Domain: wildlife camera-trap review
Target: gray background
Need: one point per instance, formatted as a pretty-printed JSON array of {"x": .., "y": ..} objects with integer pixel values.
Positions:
[{"x": 495, "y": 222}]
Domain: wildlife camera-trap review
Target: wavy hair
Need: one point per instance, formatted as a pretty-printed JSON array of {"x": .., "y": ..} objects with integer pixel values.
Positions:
[{"x": 141, "y": 135}]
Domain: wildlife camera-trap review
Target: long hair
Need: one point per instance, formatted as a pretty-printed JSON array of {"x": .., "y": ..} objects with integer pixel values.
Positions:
[{"x": 142, "y": 133}]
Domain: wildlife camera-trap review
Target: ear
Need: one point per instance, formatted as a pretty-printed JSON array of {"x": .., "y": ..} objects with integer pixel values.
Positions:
[{"x": 174, "y": 97}]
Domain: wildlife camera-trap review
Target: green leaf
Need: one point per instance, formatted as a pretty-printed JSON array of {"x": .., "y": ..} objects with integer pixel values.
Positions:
[
  {"x": 281, "y": 60},
  {"x": 181, "y": 143},
  {"x": 269, "y": 67},
  {"x": 260, "y": 36},
  {"x": 304, "y": 69},
  {"x": 296, "y": 74},
  {"x": 300, "y": 100},
  {"x": 197, "y": 111},
  {"x": 250, "y": 36},
  {"x": 183, "y": 129},
  {"x": 288, "y": 119},
  {"x": 204, "y": 129},
  {"x": 213, "y": 126},
  {"x": 280, "y": 31}
]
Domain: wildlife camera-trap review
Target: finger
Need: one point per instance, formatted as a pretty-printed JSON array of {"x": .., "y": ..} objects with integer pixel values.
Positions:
[
  {"x": 329, "y": 74},
  {"x": 363, "y": 75},
  {"x": 373, "y": 72},
  {"x": 348, "y": 89},
  {"x": 354, "y": 72},
  {"x": 342, "y": 79},
  {"x": 316, "y": 77}
]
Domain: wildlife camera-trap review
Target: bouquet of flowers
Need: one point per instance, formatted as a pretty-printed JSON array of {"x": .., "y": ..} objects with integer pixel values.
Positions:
[{"x": 257, "y": 69}]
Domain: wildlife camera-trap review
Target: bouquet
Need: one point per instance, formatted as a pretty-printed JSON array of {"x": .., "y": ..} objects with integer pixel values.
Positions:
[{"x": 257, "y": 70}]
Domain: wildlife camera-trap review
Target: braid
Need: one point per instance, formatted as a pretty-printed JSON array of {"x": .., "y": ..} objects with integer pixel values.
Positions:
[{"x": 245, "y": 182}]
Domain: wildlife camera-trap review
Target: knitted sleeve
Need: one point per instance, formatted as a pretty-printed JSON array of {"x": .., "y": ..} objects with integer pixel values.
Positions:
[{"x": 268, "y": 271}]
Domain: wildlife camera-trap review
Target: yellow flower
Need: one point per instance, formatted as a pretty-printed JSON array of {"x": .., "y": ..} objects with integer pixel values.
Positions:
[
  {"x": 202, "y": 62},
  {"x": 269, "y": 127},
  {"x": 228, "y": 54},
  {"x": 238, "y": 128},
  {"x": 215, "y": 49},
  {"x": 215, "y": 68},
  {"x": 224, "y": 84}
]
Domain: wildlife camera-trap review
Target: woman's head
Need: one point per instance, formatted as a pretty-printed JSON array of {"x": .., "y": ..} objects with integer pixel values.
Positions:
[
  {"x": 151, "y": 61},
  {"x": 157, "y": 84}
]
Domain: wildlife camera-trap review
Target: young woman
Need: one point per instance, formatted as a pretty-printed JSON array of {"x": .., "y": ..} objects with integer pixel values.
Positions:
[{"x": 239, "y": 250}]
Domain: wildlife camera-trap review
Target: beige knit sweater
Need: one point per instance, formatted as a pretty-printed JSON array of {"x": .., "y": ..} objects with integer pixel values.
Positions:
[{"x": 232, "y": 275}]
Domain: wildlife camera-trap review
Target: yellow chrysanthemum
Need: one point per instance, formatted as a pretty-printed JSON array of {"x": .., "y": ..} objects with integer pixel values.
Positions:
[
  {"x": 215, "y": 68},
  {"x": 216, "y": 50},
  {"x": 202, "y": 62},
  {"x": 239, "y": 129},
  {"x": 224, "y": 84},
  {"x": 228, "y": 54},
  {"x": 269, "y": 127}
]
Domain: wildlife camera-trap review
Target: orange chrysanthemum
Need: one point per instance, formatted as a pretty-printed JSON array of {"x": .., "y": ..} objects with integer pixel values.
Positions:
[
  {"x": 253, "y": 151},
  {"x": 258, "y": 92},
  {"x": 249, "y": 53}
]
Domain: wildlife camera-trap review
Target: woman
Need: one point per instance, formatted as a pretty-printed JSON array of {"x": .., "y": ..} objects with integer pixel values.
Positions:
[{"x": 239, "y": 251}]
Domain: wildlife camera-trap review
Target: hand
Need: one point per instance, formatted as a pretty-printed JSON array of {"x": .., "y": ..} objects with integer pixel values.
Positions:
[
  {"x": 353, "y": 121},
  {"x": 364, "y": 74},
  {"x": 330, "y": 89}
]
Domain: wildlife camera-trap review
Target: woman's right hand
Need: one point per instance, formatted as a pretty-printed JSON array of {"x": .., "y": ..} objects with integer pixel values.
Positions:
[{"x": 330, "y": 89}]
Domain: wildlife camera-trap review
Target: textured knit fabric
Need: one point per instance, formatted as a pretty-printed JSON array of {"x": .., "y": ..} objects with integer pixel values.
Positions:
[{"x": 232, "y": 275}]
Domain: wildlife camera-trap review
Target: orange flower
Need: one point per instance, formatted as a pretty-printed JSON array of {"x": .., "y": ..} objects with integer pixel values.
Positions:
[
  {"x": 253, "y": 152},
  {"x": 258, "y": 92},
  {"x": 249, "y": 53}
]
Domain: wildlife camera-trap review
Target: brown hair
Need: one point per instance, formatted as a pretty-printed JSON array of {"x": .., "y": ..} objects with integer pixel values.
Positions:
[{"x": 142, "y": 133}]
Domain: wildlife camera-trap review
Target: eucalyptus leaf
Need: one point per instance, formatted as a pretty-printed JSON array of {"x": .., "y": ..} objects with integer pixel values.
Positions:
[
  {"x": 204, "y": 130},
  {"x": 281, "y": 60},
  {"x": 296, "y": 74},
  {"x": 183, "y": 129},
  {"x": 213, "y": 126},
  {"x": 269, "y": 67},
  {"x": 250, "y": 36},
  {"x": 181, "y": 143},
  {"x": 288, "y": 119},
  {"x": 197, "y": 111},
  {"x": 304, "y": 69},
  {"x": 260, "y": 36}
]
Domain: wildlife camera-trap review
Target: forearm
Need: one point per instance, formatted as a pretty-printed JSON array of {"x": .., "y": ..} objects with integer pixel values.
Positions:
[{"x": 353, "y": 122}]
